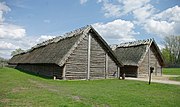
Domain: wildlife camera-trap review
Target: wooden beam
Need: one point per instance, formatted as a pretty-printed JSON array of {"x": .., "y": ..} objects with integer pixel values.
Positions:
[
  {"x": 106, "y": 67},
  {"x": 64, "y": 72},
  {"x": 156, "y": 68},
  {"x": 118, "y": 72},
  {"x": 89, "y": 56},
  {"x": 149, "y": 54}
]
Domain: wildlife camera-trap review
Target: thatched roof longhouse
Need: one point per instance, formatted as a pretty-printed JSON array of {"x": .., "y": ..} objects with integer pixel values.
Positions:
[
  {"x": 131, "y": 53},
  {"x": 58, "y": 49}
]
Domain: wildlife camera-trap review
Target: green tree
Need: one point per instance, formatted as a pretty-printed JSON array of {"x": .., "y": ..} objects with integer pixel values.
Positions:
[
  {"x": 171, "y": 52},
  {"x": 166, "y": 55},
  {"x": 3, "y": 62},
  {"x": 17, "y": 51}
]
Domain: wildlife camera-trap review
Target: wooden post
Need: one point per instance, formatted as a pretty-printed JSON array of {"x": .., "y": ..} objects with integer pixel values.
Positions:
[
  {"x": 106, "y": 68},
  {"x": 151, "y": 71},
  {"x": 156, "y": 68},
  {"x": 64, "y": 72},
  {"x": 149, "y": 78},
  {"x": 149, "y": 61},
  {"x": 118, "y": 70},
  {"x": 89, "y": 56}
]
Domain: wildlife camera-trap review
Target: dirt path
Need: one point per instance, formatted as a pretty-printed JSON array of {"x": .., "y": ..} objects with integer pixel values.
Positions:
[{"x": 161, "y": 79}]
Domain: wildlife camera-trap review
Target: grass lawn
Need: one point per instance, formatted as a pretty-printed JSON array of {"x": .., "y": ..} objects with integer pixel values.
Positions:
[
  {"x": 21, "y": 89},
  {"x": 171, "y": 71}
]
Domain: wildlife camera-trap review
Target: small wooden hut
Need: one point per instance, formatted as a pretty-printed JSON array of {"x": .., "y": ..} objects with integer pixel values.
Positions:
[
  {"x": 80, "y": 54},
  {"x": 138, "y": 57}
]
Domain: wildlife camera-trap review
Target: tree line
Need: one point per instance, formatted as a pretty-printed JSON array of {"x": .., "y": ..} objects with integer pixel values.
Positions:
[{"x": 171, "y": 51}]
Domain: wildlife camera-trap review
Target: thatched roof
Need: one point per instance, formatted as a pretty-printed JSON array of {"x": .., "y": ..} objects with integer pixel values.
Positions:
[
  {"x": 57, "y": 50},
  {"x": 131, "y": 53}
]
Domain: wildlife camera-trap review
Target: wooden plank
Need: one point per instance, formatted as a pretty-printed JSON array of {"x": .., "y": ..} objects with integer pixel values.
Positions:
[
  {"x": 64, "y": 72},
  {"x": 118, "y": 72},
  {"x": 149, "y": 60},
  {"x": 89, "y": 55}
]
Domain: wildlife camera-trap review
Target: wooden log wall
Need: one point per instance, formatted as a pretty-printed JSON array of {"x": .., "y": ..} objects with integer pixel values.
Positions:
[
  {"x": 112, "y": 68},
  {"x": 155, "y": 63},
  {"x": 48, "y": 70},
  {"x": 97, "y": 60},
  {"x": 76, "y": 65},
  {"x": 143, "y": 69}
]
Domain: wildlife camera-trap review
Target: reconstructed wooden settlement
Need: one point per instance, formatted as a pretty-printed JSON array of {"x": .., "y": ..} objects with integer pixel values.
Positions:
[{"x": 81, "y": 54}]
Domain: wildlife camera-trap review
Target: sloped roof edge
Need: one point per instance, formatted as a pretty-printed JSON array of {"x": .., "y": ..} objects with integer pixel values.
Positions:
[
  {"x": 107, "y": 48},
  {"x": 148, "y": 42},
  {"x": 90, "y": 29},
  {"x": 63, "y": 60},
  {"x": 57, "y": 39},
  {"x": 136, "y": 43}
]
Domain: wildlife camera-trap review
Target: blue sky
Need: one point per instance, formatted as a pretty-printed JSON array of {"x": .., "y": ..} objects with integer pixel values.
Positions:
[{"x": 24, "y": 23}]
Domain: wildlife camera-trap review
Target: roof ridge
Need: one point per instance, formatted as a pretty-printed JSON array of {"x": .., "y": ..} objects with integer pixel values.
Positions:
[
  {"x": 58, "y": 38},
  {"x": 64, "y": 36},
  {"x": 135, "y": 43}
]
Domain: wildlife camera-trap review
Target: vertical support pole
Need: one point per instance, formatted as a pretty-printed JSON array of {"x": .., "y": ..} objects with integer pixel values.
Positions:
[
  {"x": 156, "y": 68},
  {"x": 106, "y": 67},
  {"x": 151, "y": 71},
  {"x": 150, "y": 78},
  {"x": 118, "y": 70},
  {"x": 64, "y": 72},
  {"x": 149, "y": 61},
  {"x": 89, "y": 56},
  {"x": 137, "y": 72}
]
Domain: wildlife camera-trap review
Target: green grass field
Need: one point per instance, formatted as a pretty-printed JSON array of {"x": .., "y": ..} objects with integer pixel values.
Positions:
[
  {"x": 21, "y": 89},
  {"x": 172, "y": 71}
]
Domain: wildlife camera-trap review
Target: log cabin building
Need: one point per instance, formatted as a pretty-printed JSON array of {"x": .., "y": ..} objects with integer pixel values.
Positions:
[
  {"x": 138, "y": 57},
  {"x": 80, "y": 54}
]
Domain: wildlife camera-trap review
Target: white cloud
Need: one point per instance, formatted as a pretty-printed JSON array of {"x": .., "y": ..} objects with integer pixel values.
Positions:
[
  {"x": 3, "y": 8},
  {"x": 13, "y": 36},
  {"x": 165, "y": 23},
  {"x": 43, "y": 38},
  {"x": 5, "y": 54},
  {"x": 160, "y": 28},
  {"x": 144, "y": 13},
  {"x": 11, "y": 31},
  {"x": 83, "y": 1},
  {"x": 131, "y": 5},
  {"x": 119, "y": 8},
  {"x": 111, "y": 10},
  {"x": 10, "y": 34},
  {"x": 171, "y": 14},
  {"x": 120, "y": 30},
  {"x": 7, "y": 46}
]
